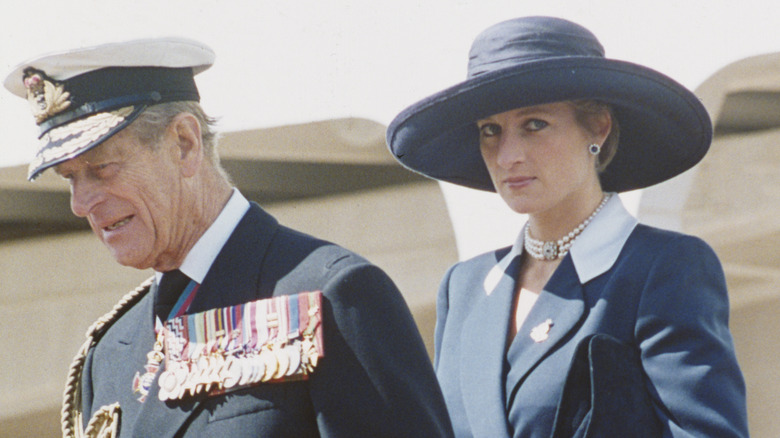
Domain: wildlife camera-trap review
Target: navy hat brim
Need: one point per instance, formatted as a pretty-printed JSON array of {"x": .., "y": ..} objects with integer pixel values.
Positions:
[
  {"x": 68, "y": 141},
  {"x": 664, "y": 128}
]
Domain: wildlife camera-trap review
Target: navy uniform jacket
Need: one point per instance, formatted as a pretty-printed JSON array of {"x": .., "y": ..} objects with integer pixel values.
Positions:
[
  {"x": 375, "y": 379},
  {"x": 662, "y": 292}
]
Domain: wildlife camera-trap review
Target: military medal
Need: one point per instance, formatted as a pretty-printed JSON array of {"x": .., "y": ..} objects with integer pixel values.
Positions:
[
  {"x": 264, "y": 359},
  {"x": 231, "y": 372},
  {"x": 219, "y": 350},
  {"x": 276, "y": 334},
  {"x": 168, "y": 385},
  {"x": 246, "y": 370},
  {"x": 312, "y": 336},
  {"x": 269, "y": 364},
  {"x": 143, "y": 383},
  {"x": 293, "y": 348}
]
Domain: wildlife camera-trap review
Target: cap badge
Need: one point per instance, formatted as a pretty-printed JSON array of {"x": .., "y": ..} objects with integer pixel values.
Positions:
[{"x": 46, "y": 96}]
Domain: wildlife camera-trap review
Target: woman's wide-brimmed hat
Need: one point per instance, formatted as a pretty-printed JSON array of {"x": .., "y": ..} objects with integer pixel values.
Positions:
[{"x": 664, "y": 128}]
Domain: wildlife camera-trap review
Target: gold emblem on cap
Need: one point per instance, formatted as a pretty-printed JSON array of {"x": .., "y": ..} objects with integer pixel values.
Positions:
[
  {"x": 46, "y": 97},
  {"x": 541, "y": 332}
]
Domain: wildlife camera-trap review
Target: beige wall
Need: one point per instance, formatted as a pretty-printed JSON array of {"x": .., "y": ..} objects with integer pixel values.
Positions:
[
  {"x": 735, "y": 206},
  {"x": 52, "y": 287},
  {"x": 732, "y": 201}
]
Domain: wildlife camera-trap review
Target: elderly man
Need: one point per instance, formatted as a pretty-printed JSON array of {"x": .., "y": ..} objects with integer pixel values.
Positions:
[{"x": 248, "y": 328}]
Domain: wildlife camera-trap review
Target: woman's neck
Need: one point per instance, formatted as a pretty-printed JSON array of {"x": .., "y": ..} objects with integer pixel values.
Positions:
[{"x": 556, "y": 222}]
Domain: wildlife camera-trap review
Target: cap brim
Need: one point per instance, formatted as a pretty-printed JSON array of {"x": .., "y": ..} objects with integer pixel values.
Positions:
[
  {"x": 68, "y": 141},
  {"x": 664, "y": 128}
]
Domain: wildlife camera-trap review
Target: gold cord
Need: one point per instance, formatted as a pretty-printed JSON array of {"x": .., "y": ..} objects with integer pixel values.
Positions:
[{"x": 105, "y": 422}]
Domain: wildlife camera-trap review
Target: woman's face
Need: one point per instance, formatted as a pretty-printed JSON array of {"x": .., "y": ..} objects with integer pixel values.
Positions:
[{"x": 538, "y": 156}]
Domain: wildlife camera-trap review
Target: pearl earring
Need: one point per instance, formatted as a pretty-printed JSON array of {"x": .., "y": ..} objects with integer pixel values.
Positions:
[{"x": 594, "y": 149}]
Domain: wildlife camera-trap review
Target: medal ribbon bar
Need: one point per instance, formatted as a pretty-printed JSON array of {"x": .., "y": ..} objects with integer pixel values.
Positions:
[{"x": 275, "y": 339}]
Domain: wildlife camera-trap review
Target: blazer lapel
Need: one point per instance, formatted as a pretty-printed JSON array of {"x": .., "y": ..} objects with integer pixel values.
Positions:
[
  {"x": 232, "y": 279},
  {"x": 234, "y": 275},
  {"x": 482, "y": 368},
  {"x": 557, "y": 311},
  {"x": 133, "y": 343}
]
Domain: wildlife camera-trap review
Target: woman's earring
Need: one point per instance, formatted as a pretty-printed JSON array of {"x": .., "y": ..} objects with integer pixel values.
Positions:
[{"x": 594, "y": 149}]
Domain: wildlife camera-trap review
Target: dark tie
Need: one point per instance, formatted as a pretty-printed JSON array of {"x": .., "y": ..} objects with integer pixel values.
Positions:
[{"x": 171, "y": 286}]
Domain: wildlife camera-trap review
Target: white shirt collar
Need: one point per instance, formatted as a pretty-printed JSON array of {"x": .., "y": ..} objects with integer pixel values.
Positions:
[
  {"x": 598, "y": 247},
  {"x": 200, "y": 258},
  {"x": 593, "y": 252}
]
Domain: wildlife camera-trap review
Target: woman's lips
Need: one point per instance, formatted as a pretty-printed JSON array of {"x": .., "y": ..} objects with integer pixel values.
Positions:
[{"x": 518, "y": 181}]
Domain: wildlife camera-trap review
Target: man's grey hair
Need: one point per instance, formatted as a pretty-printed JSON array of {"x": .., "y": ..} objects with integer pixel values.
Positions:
[{"x": 150, "y": 127}]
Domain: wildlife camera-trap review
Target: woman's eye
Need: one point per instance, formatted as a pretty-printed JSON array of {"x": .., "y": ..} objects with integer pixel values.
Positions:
[
  {"x": 489, "y": 130},
  {"x": 535, "y": 125}
]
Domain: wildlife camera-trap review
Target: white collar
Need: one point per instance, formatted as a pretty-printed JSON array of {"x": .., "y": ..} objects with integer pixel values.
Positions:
[
  {"x": 598, "y": 247},
  {"x": 593, "y": 252},
  {"x": 200, "y": 258}
]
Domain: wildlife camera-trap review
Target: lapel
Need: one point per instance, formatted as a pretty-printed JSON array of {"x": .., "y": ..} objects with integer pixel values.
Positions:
[
  {"x": 235, "y": 274},
  {"x": 232, "y": 279},
  {"x": 561, "y": 301},
  {"x": 134, "y": 342},
  {"x": 483, "y": 341}
]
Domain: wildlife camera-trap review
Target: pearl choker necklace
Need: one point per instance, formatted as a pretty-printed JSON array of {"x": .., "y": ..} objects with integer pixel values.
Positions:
[{"x": 551, "y": 250}]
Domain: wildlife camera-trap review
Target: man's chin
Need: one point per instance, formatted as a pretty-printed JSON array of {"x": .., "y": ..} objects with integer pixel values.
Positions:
[{"x": 129, "y": 260}]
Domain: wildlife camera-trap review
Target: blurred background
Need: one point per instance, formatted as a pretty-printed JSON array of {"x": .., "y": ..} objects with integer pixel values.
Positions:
[{"x": 304, "y": 91}]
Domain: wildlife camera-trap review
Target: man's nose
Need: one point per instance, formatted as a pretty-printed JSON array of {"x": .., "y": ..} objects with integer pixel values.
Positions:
[{"x": 84, "y": 194}]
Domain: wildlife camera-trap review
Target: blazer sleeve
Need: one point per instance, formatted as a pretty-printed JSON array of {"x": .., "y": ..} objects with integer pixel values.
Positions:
[
  {"x": 686, "y": 347},
  {"x": 376, "y": 378}
]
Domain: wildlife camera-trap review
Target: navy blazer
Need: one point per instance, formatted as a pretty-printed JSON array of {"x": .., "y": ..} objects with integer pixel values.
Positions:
[
  {"x": 664, "y": 294},
  {"x": 375, "y": 379}
]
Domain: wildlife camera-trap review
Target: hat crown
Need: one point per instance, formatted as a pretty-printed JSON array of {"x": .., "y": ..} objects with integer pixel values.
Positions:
[{"x": 515, "y": 42}]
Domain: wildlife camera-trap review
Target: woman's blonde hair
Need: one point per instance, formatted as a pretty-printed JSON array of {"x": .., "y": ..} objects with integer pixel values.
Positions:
[{"x": 586, "y": 112}]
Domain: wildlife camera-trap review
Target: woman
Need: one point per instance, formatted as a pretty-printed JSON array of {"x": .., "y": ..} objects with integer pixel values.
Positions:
[{"x": 557, "y": 129}]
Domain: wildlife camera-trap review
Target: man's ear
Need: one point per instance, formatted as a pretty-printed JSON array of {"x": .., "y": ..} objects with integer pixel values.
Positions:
[{"x": 186, "y": 131}]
